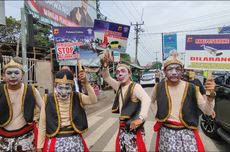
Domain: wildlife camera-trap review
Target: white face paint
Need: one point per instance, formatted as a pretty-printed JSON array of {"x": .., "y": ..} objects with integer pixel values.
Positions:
[
  {"x": 13, "y": 76},
  {"x": 122, "y": 74},
  {"x": 63, "y": 90},
  {"x": 174, "y": 72}
]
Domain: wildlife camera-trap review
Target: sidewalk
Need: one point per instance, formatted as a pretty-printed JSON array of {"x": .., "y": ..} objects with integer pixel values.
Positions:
[{"x": 105, "y": 98}]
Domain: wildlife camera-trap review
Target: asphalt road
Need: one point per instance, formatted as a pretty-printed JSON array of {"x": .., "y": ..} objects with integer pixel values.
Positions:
[{"x": 103, "y": 127}]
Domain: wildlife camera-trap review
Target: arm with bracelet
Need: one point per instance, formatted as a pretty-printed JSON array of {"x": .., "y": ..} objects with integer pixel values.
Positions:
[{"x": 207, "y": 103}]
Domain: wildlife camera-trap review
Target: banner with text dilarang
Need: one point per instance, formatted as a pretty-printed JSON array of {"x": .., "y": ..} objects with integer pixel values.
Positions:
[
  {"x": 208, "y": 52},
  {"x": 74, "y": 42}
]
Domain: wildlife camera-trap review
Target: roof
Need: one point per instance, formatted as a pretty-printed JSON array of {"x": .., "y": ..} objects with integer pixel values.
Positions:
[{"x": 137, "y": 66}]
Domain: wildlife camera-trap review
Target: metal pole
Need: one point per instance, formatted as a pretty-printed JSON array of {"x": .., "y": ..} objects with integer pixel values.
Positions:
[
  {"x": 136, "y": 43},
  {"x": 23, "y": 35},
  {"x": 113, "y": 70},
  {"x": 34, "y": 50},
  {"x": 0, "y": 73},
  {"x": 162, "y": 48},
  {"x": 17, "y": 49}
]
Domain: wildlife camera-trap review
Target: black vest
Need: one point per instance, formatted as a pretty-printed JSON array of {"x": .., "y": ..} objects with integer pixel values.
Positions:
[
  {"x": 78, "y": 117},
  {"x": 189, "y": 113},
  {"x": 130, "y": 109},
  {"x": 28, "y": 104}
]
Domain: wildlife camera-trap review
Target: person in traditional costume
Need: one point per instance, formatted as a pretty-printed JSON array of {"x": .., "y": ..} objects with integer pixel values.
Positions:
[
  {"x": 63, "y": 118},
  {"x": 177, "y": 103},
  {"x": 132, "y": 103},
  {"x": 17, "y": 105}
]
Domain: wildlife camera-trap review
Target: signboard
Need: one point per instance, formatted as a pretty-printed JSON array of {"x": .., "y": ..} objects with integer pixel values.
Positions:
[
  {"x": 208, "y": 52},
  {"x": 63, "y": 13},
  {"x": 111, "y": 35},
  {"x": 169, "y": 43},
  {"x": 116, "y": 56},
  {"x": 224, "y": 30},
  {"x": 68, "y": 62},
  {"x": 74, "y": 42},
  {"x": 2, "y": 13}
]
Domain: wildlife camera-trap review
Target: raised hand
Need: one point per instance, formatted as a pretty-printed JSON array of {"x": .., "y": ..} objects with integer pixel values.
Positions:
[
  {"x": 82, "y": 77},
  {"x": 210, "y": 89},
  {"x": 78, "y": 15},
  {"x": 106, "y": 58},
  {"x": 210, "y": 85}
]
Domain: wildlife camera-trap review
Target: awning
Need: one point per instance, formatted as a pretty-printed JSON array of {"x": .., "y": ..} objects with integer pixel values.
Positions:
[{"x": 136, "y": 66}]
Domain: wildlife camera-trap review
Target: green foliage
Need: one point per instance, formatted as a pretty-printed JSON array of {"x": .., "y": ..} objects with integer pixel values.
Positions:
[
  {"x": 156, "y": 65},
  {"x": 125, "y": 57},
  {"x": 11, "y": 32},
  {"x": 41, "y": 36}
]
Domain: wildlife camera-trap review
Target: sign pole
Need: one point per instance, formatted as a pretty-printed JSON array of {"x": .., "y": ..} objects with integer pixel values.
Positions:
[{"x": 24, "y": 52}]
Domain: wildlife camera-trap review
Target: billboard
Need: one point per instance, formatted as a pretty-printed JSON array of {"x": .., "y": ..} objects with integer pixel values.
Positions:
[
  {"x": 169, "y": 43},
  {"x": 2, "y": 13},
  {"x": 208, "y": 52},
  {"x": 225, "y": 29},
  {"x": 72, "y": 43},
  {"x": 111, "y": 35},
  {"x": 63, "y": 13}
]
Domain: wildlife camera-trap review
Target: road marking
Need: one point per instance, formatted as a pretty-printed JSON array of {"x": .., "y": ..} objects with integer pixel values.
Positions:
[
  {"x": 92, "y": 120},
  {"x": 111, "y": 144},
  {"x": 97, "y": 133},
  {"x": 148, "y": 134},
  {"x": 207, "y": 142},
  {"x": 100, "y": 111}
]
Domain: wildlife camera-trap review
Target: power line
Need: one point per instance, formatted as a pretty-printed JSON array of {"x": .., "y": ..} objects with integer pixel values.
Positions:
[
  {"x": 182, "y": 31},
  {"x": 129, "y": 12},
  {"x": 141, "y": 41},
  {"x": 121, "y": 10},
  {"x": 196, "y": 19}
]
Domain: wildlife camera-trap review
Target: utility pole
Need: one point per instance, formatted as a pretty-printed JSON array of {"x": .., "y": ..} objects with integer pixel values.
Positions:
[
  {"x": 137, "y": 28},
  {"x": 23, "y": 35}
]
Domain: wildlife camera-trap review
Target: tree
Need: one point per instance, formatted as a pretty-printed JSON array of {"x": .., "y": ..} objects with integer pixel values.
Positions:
[
  {"x": 156, "y": 65},
  {"x": 125, "y": 57},
  {"x": 41, "y": 36},
  {"x": 100, "y": 16},
  {"x": 11, "y": 32}
]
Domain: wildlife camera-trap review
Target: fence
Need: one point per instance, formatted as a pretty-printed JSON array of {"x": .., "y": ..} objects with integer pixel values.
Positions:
[{"x": 30, "y": 70}]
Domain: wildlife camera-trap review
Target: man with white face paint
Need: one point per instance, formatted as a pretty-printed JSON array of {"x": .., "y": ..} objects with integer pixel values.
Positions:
[
  {"x": 132, "y": 103},
  {"x": 177, "y": 105},
  {"x": 17, "y": 104},
  {"x": 63, "y": 118}
]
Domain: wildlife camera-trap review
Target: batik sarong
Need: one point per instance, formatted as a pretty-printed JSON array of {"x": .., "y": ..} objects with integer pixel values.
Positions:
[
  {"x": 177, "y": 139},
  {"x": 24, "y": 142},
  {"x": 132, "y": 141},
  {"x": 73, "y": 143}
]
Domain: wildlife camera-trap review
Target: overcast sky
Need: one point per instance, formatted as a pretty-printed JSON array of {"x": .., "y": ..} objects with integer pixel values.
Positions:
[{"x": 181, "y": 17}]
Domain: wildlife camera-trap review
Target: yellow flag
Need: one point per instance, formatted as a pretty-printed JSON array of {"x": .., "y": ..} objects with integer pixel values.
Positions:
[{"x": 205, "y": 73}]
